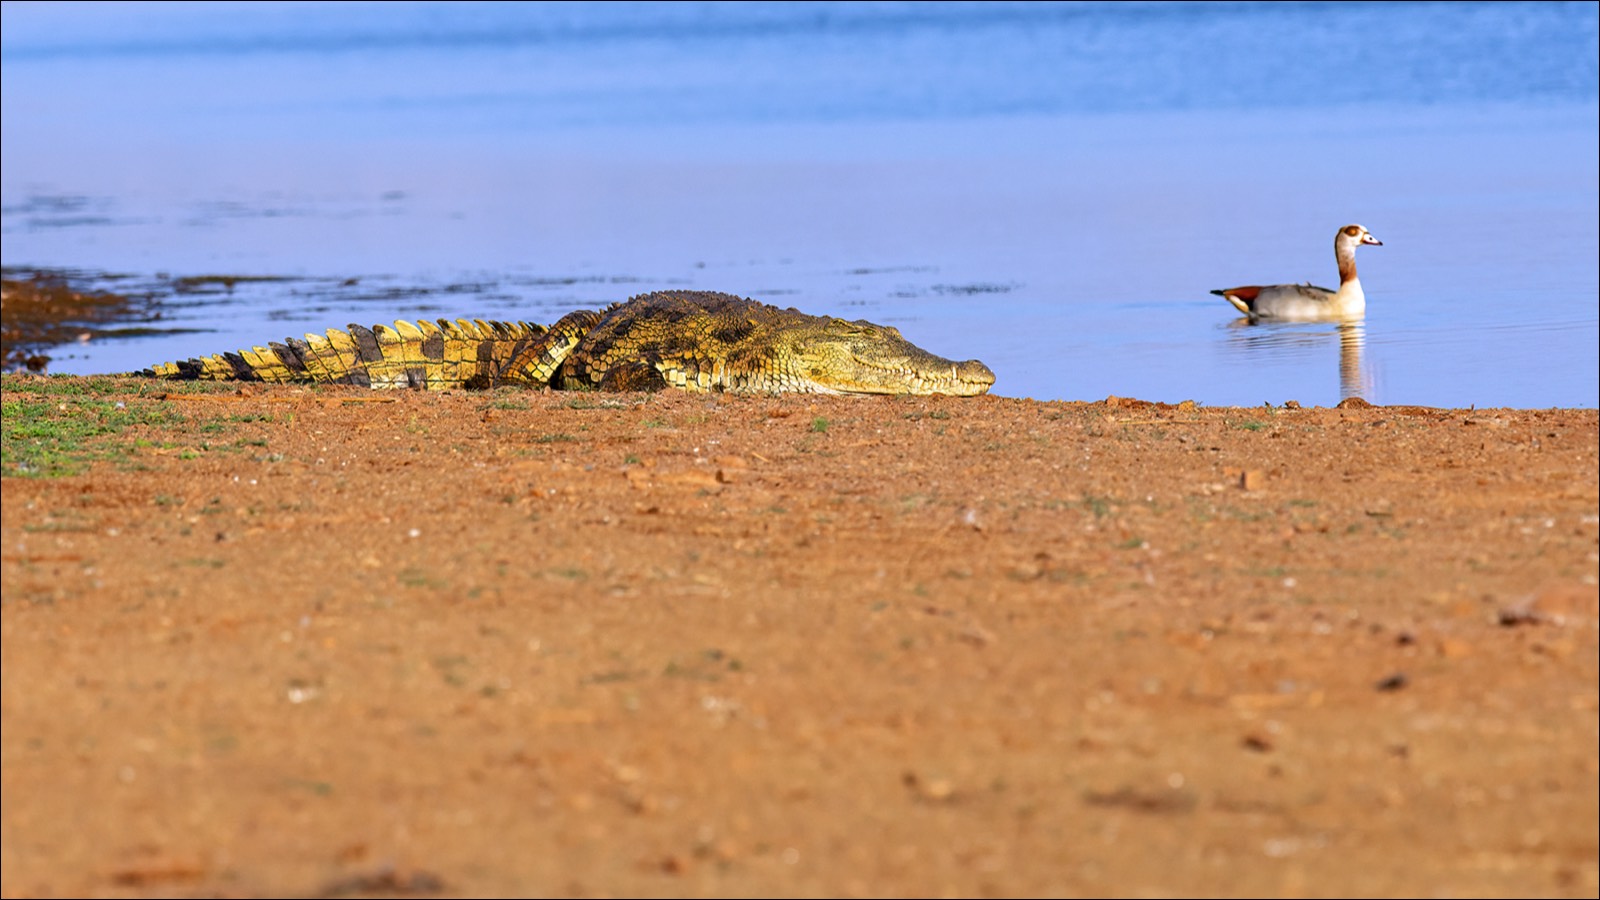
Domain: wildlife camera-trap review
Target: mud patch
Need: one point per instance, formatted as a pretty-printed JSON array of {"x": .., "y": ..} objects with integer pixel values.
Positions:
[{"x": 42, "y": 309}]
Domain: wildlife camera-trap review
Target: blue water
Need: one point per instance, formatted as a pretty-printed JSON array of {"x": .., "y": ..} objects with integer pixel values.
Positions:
[{"x": 1052, "y": 188}]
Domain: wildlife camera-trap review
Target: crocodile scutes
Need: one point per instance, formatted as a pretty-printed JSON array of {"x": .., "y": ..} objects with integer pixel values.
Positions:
[{"x": 692, "y": 340}]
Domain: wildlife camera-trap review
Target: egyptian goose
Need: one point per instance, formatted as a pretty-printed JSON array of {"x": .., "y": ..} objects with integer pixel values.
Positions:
[{"x": 1303, "y": 302}]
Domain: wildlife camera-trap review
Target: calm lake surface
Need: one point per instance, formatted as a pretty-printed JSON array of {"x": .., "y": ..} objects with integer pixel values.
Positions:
[{"x": 1053, "y": 188}]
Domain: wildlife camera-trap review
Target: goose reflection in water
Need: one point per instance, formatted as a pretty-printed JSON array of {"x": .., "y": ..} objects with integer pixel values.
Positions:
[{"x": 1295, "y": 341}]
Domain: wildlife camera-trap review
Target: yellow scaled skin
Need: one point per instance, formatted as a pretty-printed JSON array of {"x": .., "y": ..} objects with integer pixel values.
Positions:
[{"x": 691, "y": 340}]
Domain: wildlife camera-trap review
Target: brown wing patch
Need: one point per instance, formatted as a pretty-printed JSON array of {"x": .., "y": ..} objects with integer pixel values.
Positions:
[{"x": 1244, "y": 294}]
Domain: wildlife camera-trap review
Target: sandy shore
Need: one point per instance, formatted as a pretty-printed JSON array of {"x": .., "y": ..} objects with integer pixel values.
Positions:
[{"x": 330, "y": 643}]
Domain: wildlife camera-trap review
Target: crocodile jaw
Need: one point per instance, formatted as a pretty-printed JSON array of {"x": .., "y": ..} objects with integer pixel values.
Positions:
[
  {"x": 862, "y": 358},
  {"x": 932, "y": 375}
]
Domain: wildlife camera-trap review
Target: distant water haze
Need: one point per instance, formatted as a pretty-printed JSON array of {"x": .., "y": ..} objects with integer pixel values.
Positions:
[{"x": 1052, "y": 188}]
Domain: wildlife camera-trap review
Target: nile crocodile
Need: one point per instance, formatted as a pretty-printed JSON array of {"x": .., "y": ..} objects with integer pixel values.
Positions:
[{"x": 694, "y": 340}]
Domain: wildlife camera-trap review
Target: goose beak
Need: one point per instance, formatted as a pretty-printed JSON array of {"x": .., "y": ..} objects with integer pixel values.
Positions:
[{"x": 1367, "y": 238}]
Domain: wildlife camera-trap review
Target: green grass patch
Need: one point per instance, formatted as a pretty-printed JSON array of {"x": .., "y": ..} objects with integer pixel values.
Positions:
[
  {"x": 60, "y": 425},
  {"x": 46, "y": 435},
  {"x": 413, "y": 577},
  {"x": 593, "y": 403},
  {"x": 1099, "y": 506}
]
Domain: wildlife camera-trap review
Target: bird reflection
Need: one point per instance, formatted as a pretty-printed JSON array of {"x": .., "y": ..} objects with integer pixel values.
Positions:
[
  {"x": 1294, "y": 339},
  {"x": 1354, "y": 380}
]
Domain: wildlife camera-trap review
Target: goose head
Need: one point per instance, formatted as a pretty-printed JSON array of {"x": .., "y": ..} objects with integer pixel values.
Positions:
[{"x": 1351, "y": 235}]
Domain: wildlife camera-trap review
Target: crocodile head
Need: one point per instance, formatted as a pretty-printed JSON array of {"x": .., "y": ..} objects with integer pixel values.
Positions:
[{"x": 834, "y": 356}]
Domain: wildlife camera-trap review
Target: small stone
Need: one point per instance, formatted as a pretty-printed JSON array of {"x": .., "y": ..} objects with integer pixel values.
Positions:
[
  {"x": 1566, "y": 602},
  {"x": 1519, "y": 615},
  {"x": 1394, "y": 682},
  {"x": 937, "y": 789},
  {"x": 693, "y": 478}
]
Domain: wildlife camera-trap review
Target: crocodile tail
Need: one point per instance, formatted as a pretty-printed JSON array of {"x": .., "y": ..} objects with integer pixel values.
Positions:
[{"x": 420, "y": 355}]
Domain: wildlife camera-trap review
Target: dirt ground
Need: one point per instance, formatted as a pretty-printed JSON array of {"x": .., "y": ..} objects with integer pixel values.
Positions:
[{"x": 328, "y": 643}]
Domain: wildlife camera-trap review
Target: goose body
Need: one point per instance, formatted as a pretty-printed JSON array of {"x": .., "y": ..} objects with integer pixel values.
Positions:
[{"x": 1306, "y": 302}]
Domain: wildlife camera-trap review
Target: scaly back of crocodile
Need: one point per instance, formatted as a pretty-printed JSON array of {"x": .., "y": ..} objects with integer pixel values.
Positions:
[
  {"x": 703, "y": 341},
  {"x": 693, "y": 340}
]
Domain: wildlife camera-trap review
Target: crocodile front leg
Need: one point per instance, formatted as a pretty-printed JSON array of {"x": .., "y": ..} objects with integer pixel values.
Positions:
[{"x": 538, "y": 361}]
